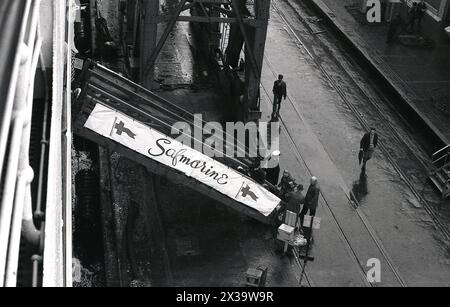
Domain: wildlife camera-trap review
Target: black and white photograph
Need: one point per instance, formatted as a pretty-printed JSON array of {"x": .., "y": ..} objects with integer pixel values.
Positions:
[{"x": 224, "y": 150}]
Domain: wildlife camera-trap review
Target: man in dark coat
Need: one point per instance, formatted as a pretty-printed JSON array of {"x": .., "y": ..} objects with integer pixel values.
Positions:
[
  {"x": 257, "y": 173},
  {"x": 287, "y": 185},
  {"x": 367, "y": 147},
  {"x": 311, "y": 199},
  {"x": 420, "y": 13},
  {"x": 279, "y": 92},
  {"x": 295, "y": 200}
]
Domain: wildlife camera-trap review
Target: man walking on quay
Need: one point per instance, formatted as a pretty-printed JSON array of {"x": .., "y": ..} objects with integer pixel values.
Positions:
[
  {"x": 421, "y": 11},
  {"x": 279, "y": 91},
  {"x": 311, "y": 200},
  {"x": 367, "y": 147},
  {"x": 412, "y": 16}
]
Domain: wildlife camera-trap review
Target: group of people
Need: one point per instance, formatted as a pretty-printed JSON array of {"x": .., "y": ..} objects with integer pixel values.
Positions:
[
  {"x": 415, "y": 15},
  {"x": 298, "y": 202},
  {"x": 302, "y": 204},
  {"x": 287, "y": 188}
]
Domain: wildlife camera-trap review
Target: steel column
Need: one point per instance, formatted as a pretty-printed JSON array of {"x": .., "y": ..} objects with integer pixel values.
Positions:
[{"x": 150, "y": 63}]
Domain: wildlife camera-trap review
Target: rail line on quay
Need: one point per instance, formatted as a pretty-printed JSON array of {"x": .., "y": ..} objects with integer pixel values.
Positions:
[
  {"x": 327, "y": 205},
  {"x": 392, "y": 131},
  {"x": 393, "y": 267}
]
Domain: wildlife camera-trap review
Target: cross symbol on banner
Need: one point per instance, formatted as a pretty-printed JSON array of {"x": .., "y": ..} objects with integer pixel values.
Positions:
[
  {"x": 120, "y": 129},
  {"x": 247, "y": 192}
]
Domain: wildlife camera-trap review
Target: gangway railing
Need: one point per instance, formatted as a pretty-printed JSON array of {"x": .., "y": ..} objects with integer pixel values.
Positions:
[
  {"x": 441, "y": 157},
  {"x": 440, "y": 175},
  {"x": 116, "y": 113},
  {"x": 97, "y": 81},
  {"x": 20, "y": 24}
]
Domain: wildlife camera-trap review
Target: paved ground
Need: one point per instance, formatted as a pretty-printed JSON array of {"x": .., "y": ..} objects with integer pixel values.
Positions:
[
  {"x": 321, "y": 137},
  {"x": 422, "y": 76}
]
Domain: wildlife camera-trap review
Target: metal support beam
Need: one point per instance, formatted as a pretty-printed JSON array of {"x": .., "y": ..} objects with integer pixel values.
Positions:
[
  {"x": 259, "y": 35},
  {"x": 148, "y": 68},
  {"x": 149, "y": 33},
  {"x": 247, "y": 21},
  {"x": 254, "y": 32},
  {"x": 248, "y": 45}
]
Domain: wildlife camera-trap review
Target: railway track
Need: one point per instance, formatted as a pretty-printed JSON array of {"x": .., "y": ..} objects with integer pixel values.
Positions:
[
  {"x": 388, "y": 131},
  {"x": 390, "y": 134}
]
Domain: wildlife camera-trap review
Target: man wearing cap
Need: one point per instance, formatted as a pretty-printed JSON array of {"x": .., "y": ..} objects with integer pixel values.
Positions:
[
  {"x": 311, "y": 199},
  {"x": 287, "y": 184},
  {"x": 285, "y": 179},
  {"x": 279, "y": 91}
]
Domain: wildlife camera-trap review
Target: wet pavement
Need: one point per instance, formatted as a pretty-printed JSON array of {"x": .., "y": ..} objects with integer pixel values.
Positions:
[
  {"x": 421, "y": 75},
  {"x": 324, "y": 120}
]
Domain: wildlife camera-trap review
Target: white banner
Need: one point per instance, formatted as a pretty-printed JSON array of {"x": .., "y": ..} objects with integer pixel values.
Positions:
[{"x": 165, "y": 150}]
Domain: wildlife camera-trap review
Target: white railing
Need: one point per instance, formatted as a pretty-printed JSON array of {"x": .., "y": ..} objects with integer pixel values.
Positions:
[
  {"x": 57, "y": 256},
  {"x": 17, "y": 219},
  {"x": 18, "y": 175},
  {"x": 441, "y": 160},
  {"x": 441, "y": 157}
]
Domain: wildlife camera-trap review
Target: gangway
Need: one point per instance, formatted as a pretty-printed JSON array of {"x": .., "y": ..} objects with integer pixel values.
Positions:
[{"x": 123, "y": 116}]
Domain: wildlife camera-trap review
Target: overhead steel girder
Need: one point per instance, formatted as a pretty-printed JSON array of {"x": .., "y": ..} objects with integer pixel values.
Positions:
[
  {"x": 248, "y": 44},
  {"x": 183, "y": 6},
  {"x": 151, "y": 61},
  {"x": 248, "y": 21}
]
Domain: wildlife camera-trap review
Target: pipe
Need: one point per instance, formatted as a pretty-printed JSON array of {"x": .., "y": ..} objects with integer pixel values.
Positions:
[
  {"x": 39, "y": 214},
  {"x": 29, "y": 231},
  {"x": 36, "y": 260}
]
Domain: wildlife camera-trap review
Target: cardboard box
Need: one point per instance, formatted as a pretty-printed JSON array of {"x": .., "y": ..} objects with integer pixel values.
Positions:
[{"x": 286, "y": 233}]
